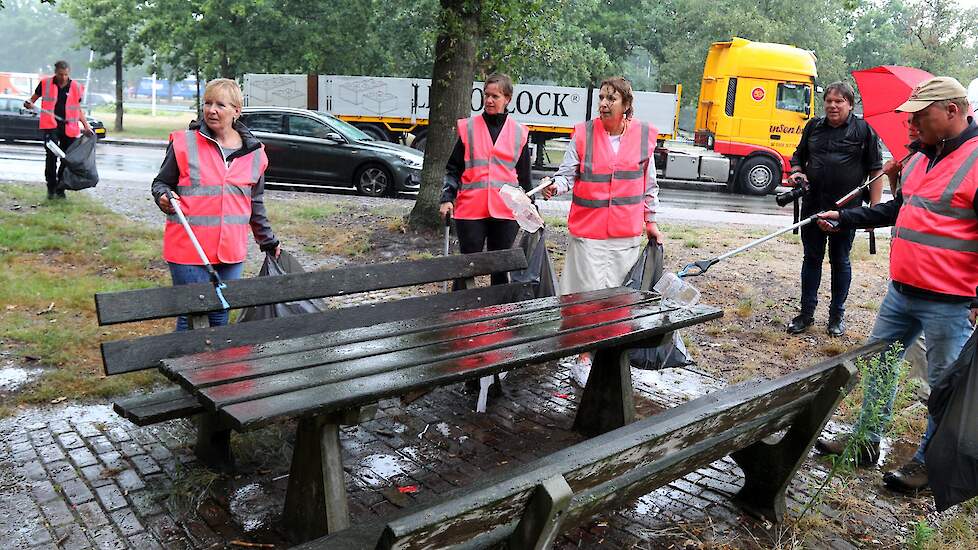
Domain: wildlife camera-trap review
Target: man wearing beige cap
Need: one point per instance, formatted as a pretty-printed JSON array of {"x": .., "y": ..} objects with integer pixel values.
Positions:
[{"x": 933, "y": 256}]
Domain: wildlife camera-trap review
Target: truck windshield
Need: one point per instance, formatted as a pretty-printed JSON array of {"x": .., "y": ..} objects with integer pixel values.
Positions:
[
  {"x": 348, "y": 130},
  {"x": 792, "y": 97}
]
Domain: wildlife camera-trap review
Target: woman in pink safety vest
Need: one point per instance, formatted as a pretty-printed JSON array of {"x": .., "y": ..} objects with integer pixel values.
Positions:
[
  {"x": 216, "y": 172},
  {"x": 491, "y": 152},
  {"x": 609, "y": 168}
]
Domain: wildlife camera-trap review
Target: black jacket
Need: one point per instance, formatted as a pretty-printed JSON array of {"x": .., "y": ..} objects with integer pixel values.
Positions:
[
  {"x": 170, "y": 174},
  {"x": 456, "y": 163},
  {"x": 836, "y": 160},
  {"x": 885, "y": 213}
]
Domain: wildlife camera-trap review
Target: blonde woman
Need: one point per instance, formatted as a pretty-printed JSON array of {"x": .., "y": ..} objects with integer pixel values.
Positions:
[{"x": 215, "y": 170}]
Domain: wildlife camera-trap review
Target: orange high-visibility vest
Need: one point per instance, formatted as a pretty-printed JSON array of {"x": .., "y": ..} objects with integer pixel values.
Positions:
[
  {"x": 488, "y": 167},
  {"x": 215, "y": 198},
  {"x": 935, "y": 242},
  {"x": 609, "y": 194},
  {"x": 73, "y": 113}
]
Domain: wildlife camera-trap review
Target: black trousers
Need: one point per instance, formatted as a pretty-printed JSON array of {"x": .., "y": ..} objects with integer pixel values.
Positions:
[
  {"x": 52, "y": 167},
  {"x": 487, "y": 234}
]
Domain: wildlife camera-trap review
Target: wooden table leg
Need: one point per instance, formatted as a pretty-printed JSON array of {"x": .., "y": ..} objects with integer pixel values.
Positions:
[
  {"x": 315, "y": 501},
  {"x": 608, "y": 401}
]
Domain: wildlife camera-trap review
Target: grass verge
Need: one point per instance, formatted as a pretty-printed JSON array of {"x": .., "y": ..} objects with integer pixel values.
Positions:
[{"x": 55, "y": 256}]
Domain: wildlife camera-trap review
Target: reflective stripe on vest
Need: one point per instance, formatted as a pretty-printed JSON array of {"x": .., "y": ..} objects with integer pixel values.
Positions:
[
  {"x": 935, "y": 245},
  {"x": 49, "y": 100},
  {"x": 489, "y": 167},
  {"x": 609, "y": 194},
  {"x": 216, "y": 199}
]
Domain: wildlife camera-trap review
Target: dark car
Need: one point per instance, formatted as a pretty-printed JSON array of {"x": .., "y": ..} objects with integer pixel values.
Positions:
[
  {"x": 311, "y": 148},
  {"x": 16, "y": 122}
]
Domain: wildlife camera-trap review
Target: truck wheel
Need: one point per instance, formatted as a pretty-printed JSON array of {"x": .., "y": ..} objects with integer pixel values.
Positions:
[
  {"x": 373, "y": 131},
  {"x": 758, "y": 176},
  {"x": 420, "y": 142},
  {"x": 373, "y": 180}
]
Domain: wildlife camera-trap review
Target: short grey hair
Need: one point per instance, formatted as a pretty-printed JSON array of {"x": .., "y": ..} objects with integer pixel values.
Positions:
[
  {"x": 961, "y": 102},
  {"x": 842, "y": 88},
  {"x": 61, "y": 65}
]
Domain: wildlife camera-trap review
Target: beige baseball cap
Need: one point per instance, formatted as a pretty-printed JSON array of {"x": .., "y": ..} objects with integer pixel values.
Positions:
[{"x": 934, "y": 89}]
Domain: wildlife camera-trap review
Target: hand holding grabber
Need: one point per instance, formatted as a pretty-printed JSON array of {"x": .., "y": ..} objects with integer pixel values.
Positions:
[{"x": 219, "y": 285}]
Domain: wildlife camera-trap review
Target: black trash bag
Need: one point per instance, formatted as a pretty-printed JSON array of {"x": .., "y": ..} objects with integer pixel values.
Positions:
[
  {"x": 284, "y": 264},
  {"x": 539, "y": 272},
  {"x": 952, "y": 452},
  {"x": 79, "y": 162},
  {"x": 672, "y": 352}
]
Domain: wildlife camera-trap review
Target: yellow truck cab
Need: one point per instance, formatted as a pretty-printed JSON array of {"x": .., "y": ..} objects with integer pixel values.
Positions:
[{"x": 754, "y": 103}]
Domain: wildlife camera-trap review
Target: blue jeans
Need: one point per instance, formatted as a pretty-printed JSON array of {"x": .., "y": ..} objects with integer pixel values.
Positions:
[
  {"x": 840, "y": 244},
  {"x": 901, "y": 319},
  {"x": 183, "y": 274}
]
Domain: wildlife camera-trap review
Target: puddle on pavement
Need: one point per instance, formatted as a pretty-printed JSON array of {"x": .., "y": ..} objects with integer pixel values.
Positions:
[
  {"x": 14, "y": 377},
  {"x": 680, "y": 384},
  {"x": 252, "y": 508},
  {"x": 646, "y": 505},
  {"x": 387, "y": 467},
  {"x": 443, "y": 429}
]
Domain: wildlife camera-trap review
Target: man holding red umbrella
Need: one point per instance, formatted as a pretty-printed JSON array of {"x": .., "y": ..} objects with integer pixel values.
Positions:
[{"x": 934, "y": 253}]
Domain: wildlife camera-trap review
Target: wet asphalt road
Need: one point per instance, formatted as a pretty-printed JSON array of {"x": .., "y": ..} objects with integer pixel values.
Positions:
[{"x": 134, "y": 167}]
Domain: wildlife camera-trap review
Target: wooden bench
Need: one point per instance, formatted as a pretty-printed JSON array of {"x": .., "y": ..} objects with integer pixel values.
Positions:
[
  {"x": 768, "y": 428},
  {"x": 129, "y": 355}
]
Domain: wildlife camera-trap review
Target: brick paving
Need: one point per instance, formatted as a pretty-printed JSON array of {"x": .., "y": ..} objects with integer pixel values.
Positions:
[{"x": 78, "y": 476}]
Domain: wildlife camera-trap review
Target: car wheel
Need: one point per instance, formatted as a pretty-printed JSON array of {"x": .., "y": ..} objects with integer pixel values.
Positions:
[
  {"x": 759, "y": 176},
  {"x": 374, "y": 180}
]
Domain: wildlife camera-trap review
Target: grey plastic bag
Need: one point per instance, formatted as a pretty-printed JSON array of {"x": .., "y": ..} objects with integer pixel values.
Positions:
[
  {"x": 672, "y": 352},
  {"x": 952, "y": 452},
  {"x": 539, "y": 270},
  {"x": 79, "y": 162},
  {"x": 285, "y": 263}
]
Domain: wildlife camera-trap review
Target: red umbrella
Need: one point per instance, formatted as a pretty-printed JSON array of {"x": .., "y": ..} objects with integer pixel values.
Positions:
[{"x": 883, "y": 89}]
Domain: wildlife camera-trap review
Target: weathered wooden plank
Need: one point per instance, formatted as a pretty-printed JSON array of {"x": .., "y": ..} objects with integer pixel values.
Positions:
[
  {"x": 488, "y": 512},
  {"x": 362, "y": 536},
  {"x": 252, "y": 378},
  {"x": 608, "y": 401},
  {"x": 432, "y": 323},
  {"x": 632, "y": 460},
  {"x": 457, "y": 347},
  {"x": 315, "y": 502},
  {"x": 123, "y": 356},
  {"x": 620, "y": 460},
  {"x": 156, "y": 303},
  {"x": 162, "y": 405},
  {"x": 250, "y": 414}
]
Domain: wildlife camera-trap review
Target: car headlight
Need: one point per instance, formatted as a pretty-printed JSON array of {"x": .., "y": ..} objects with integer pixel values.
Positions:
[{"x": 412, "y": 161}]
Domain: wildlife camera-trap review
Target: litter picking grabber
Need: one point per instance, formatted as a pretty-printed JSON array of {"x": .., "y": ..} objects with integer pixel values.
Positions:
[
  {"x": 448, "y": 240},
  {"x": 700, "y": 267},
  {"x": 219, "y": 285}
]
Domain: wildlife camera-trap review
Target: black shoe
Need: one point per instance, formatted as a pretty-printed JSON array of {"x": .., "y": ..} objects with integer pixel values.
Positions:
[
  {"x": 867, "y": 456},
  {"x": 909, "y": 478},
  {"x": 800, "y": 324},
  {"x": 837, "y": 325}
]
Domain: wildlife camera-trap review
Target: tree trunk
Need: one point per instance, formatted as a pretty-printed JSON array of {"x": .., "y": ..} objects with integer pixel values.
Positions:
[
  {"x": 118, "y": 90},
  {"x": 449, "y": 100},
  {"x": 200, "y": 109}
]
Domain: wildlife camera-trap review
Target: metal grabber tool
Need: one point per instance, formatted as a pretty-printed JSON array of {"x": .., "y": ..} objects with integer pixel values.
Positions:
[
  {"x": 700, "y": 267},
  {"x": 219, "y": 285}
]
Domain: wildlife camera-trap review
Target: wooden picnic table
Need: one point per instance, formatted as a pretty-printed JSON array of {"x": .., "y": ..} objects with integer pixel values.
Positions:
[{"x": 326, "y": 379}]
